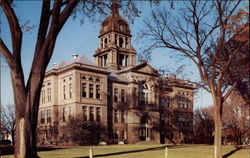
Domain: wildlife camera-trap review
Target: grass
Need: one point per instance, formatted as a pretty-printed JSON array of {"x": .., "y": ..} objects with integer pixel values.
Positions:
[{"x": 140, "y": 151}]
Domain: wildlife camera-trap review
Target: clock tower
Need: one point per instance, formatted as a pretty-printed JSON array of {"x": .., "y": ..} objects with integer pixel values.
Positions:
[{"x": 115, "y": 50}]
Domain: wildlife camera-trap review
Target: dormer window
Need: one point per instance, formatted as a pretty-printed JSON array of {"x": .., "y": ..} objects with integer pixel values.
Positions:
[
  {"x": 105, "y": 28},
  {"x": 121, "y": 28}
]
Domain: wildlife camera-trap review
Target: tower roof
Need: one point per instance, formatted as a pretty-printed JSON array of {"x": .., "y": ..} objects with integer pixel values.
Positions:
[{"x": 115, "y": 22}]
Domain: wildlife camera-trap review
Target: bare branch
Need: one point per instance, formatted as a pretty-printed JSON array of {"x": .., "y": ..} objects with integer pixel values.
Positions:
[
  {"x": 224, "y": 98},
  {"x": 44, "y": 22},
  {"x": 67, "y": 11},
  {"x": 15, "y": 29},
  {"x": 5, "y": 52}
]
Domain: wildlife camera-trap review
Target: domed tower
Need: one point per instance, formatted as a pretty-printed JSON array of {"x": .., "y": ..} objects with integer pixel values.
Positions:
[{"x": 115, "y": 49}]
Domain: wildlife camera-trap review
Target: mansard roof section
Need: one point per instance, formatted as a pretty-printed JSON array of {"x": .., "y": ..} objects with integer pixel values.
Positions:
[
  {"x": 79, "y": 62},
  {"x": 143, "y": 68},
  {"x": 172, "y": 81},
  {"x": 82, "y": 59}
]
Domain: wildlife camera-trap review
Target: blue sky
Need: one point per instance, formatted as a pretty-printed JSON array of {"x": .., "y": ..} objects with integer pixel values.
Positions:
[{"x": 80, "y": 39}]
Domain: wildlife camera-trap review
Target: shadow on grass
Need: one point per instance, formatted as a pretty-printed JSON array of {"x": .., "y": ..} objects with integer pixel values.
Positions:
[
  {"x": 231, "y": 152},
  {"x": 9, "y": 150},
  {"x": 136, "y": 151}
]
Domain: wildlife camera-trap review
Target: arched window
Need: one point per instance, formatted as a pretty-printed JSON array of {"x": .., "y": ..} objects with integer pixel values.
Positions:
[
  {"x": 84, "y": 77},
  {"x": 97, "y": 80},
  {"x": 144, "y": 93},
  {"x": 106, "y": 42},
  {"x": 90, "y": 78}
]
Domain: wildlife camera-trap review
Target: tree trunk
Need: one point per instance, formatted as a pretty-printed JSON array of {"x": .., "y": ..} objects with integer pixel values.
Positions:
[
  {"x": 25, "y": 146},
  {"x": 218, "y": 128},
  {"x": 26, "y": 116},
  {"x": 20, "y": 146}
]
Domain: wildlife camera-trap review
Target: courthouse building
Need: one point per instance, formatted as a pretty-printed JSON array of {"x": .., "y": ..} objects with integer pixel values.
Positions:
[{"x": 132, "y": 100}]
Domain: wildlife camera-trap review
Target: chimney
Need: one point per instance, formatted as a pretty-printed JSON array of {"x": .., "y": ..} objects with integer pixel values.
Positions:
[
  {"x": 74, "y": 55},
  {"x": 54, "y": 65}
]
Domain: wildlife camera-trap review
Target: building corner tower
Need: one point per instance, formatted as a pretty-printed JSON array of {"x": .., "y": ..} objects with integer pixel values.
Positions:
[{"x": 115, "y": 50}]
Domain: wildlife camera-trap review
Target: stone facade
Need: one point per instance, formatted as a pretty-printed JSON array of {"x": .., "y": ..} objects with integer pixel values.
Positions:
[{"x": 132, "y": 100}]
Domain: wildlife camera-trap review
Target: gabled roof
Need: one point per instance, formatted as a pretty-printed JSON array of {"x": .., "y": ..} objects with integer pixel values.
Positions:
[
  {"x": 144, "y": 67},
  {"x": 82, "y": 59}
]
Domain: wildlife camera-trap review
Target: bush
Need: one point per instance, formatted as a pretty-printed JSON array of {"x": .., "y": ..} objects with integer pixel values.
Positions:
[{"x": 85, "y": 133}]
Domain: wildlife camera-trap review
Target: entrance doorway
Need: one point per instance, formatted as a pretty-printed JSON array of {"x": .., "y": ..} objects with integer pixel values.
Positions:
[
  {"x": 145, "y": 129},
  {"x": 145, "y": 134}
]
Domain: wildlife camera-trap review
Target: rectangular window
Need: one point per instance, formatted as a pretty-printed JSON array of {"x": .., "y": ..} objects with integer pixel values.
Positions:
[
  {"x": 186, "y": 105},
  {"x": 91, "y": 90},
  {"x": 116, "y": 39},
  {"x": 168, "y": 120},
  {"x": 123, "y": 134},
  {"x": 183, "y": 120},
  {"x": 91, "y": 114},
  {"x": 168, "y": 102},
  {"x": 49, "y": 94},
  {"x": 116, "y": 116},
  {"x": 70, "y": 90},
  {"x": 123, "y": 116},
  {"x": 69, "y": 112},
  {"x": 48, "y": 115},
  {"x": 123, "y": 96},
  {"x": 116, "y": 95},
  {"x": 183, "y": 102},
  {"x": 43, "y": 116},
  {"x": 146, "y": 98},
  {"x": 98, "y": 91},
  {"x": 179, "y": 102},
  {"x": 43, "y": 96},
  {"x": 84, "y": 113},
  {"x": 63, "y": 115},
  {"x": 126, "y": 42},
  {"x": 126, "y": 60},
  {"x": 105, "y": 60},
  {"x": 64, "y": 92},
  {"x": 121, "y": 60},
  {"x": 142, "y": 97},
  {"x": 162, "y": 101},
  {"x": 84, "y": 90},
  {"x": 98, "y": 114}
]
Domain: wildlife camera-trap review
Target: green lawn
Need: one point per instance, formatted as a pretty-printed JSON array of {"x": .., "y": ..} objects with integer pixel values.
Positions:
[{"x": 141, "y": 151}]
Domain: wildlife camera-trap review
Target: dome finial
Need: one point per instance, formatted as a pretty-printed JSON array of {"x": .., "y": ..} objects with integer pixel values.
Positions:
[{"x": 115, "y": 7}]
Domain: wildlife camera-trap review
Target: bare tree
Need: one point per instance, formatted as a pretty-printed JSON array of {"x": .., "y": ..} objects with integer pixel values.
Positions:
[
  {"x": 8, "y": 122},
  {"x": 200, "y": 31},
  {"x": 27, "y": 96},
  {"x": 54, "y": 14}
]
